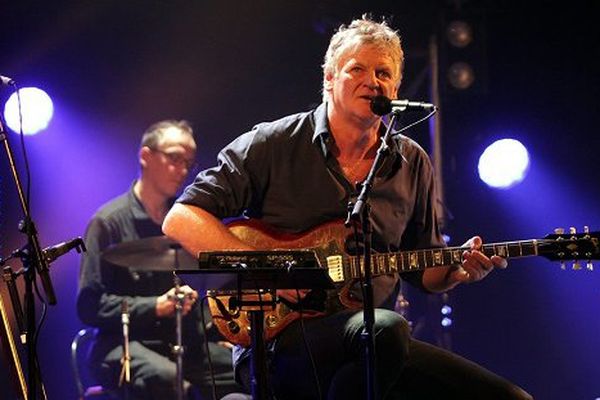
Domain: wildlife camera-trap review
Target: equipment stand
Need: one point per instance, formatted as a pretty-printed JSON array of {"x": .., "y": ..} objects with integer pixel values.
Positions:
[
  {"x": 261, "y": 273},
  {"x": 360, "y": 212},
  {"x": 178, "y": 349}
]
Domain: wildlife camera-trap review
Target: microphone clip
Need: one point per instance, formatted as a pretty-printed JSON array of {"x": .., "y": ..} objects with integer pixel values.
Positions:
[{"x": 51, "y": 253}]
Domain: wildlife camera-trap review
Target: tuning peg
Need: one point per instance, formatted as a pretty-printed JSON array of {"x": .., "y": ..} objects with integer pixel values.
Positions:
[
  {"x": 559, "y": 231},
  {"x": 572, "y": 230},
  {"x": 576, "y": 265},
  {"x": 586, "y": 229},
  {"x": 589, "y": 266},
  {"x": 563, "y": 266}
]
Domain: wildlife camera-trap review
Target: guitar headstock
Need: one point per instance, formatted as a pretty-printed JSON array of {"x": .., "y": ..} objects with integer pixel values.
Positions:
[{"x": 571, "y": 246}]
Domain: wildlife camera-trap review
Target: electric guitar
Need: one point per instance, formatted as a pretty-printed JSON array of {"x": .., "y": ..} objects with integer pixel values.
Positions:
[{"x": 327, "y": 242}]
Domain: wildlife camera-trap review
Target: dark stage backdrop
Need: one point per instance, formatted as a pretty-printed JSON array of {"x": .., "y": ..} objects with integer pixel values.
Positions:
[{"x": 114, "y": 67}]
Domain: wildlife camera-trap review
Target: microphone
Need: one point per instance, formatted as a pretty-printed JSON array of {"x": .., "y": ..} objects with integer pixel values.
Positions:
[
  {"x": 381, "y": 105},
  {"x": 6, "y": 80},
  {"x": 53, "y": 252}
]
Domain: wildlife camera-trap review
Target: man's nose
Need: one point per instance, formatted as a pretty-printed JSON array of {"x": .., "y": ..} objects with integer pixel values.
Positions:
[{"x": 372, "y": 81}]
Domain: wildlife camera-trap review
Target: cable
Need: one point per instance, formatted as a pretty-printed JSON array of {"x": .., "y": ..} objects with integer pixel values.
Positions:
[
  {"x": 207, "y": 349},
  {"x": 307, "y": 346},
  {"x": 414, "y": 123},
  {"x": 23, "y": 148}
]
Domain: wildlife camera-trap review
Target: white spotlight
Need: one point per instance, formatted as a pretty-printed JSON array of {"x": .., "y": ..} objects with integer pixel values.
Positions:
[
  {"x": 37, "y": 109},
  {"x": 504, "y": 164}
]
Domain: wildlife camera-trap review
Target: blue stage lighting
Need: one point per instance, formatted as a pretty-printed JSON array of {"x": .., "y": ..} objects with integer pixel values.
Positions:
[
  {"x": 504, "y": 164},
  {"x": 37, "y": 109}
]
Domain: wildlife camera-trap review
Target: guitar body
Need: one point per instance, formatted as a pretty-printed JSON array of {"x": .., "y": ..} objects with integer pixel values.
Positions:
[{"x": 326, "y": 240}]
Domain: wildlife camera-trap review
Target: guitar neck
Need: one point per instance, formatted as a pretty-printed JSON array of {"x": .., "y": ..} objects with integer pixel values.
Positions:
[
  {"x": 328, "y": 241},
  {"x": 405, "y": 261}
]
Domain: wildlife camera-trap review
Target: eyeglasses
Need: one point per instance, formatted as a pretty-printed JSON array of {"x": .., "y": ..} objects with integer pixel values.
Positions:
[{"x": 178, "y": 160}]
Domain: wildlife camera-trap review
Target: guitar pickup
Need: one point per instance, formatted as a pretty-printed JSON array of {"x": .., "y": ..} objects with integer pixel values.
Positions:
[{"x": 335, "y": 267}]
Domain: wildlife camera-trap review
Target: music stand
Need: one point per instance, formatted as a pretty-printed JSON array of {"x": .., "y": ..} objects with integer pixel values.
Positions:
[{"x": 263, "y": 270}]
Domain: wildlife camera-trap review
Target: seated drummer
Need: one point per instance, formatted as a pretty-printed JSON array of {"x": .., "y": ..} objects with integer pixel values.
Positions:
[{"x": 167, "y": 154}]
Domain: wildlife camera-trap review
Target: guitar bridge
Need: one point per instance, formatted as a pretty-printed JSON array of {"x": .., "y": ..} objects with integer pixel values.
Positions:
[{"x": 335, "y": 268}]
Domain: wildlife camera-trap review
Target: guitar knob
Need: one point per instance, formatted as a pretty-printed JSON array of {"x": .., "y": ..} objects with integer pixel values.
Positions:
[
  {"x": 563, "y": 266},
  {"x": 559, "y": 231},
  {"x": 589, "y": 266},
  {"x": 271, "y": 321},
  {"x": 233, "y": 327},
  {"x": 586, "y": 229},
  {"x": 576, "y": 266},
  {"x": 572, "y": 230}
]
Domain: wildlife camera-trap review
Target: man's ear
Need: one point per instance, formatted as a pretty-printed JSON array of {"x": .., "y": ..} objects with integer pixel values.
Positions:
[
  {"x": 144, "y": 154},
  {"x": 328, "y": 82}
]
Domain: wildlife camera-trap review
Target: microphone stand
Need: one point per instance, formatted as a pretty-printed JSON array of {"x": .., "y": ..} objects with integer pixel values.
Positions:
[
  {"x": 360, "y": 213},
  {"x": 33, "y": 259}
]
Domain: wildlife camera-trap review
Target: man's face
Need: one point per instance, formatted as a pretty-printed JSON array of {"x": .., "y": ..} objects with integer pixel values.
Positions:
[
  {"x": 361, "y": 74},
  {"x": 167, "y": 166}
]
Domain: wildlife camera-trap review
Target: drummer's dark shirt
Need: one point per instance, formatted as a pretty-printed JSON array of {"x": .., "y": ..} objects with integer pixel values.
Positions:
[
  {"x": 103, "y": 286},
  {"x": 285, "y": 174}
]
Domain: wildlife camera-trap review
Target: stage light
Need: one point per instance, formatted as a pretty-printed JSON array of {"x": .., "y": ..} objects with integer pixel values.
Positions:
[
  {"x": 459, "y": 33},
  {"x": 462, "y": 51},
  {"x": 504, "y": 164},
  {"x": 446, "y": 309},
  {"x": 37, "y": 109},
  {"x": 446, "y": 322},
  {"x": 461, "y": 75}
]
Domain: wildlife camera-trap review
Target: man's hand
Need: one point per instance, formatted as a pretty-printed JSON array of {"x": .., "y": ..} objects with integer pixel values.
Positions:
[
  {"x": 475, "y": 265},
  {"x": 166, "y": 303}
]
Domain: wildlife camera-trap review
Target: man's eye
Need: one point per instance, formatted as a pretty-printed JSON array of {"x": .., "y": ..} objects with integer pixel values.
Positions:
[{"x": 384, "y": 74}]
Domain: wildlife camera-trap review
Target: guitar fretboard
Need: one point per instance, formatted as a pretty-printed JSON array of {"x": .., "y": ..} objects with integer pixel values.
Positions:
[{"x": 405, "y": 261}]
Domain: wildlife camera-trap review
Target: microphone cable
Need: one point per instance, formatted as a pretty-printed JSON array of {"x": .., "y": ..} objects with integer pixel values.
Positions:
[{"x": 404, "y": 128}]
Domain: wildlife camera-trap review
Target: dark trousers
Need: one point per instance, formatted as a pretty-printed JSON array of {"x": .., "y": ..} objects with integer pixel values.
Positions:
[
  {"x": 153, "y": 371},
  {"x": 405, "y": 368}
]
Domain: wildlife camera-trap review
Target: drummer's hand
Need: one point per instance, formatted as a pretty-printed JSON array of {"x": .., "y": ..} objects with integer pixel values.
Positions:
[
  {"x": 291, "y": 295},
  {"x": 165, "y": 304}
]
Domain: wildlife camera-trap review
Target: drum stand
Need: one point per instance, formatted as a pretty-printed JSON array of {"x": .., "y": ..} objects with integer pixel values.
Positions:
[
  {"x": 125, "y": 375},
  {"x": 178, "y": 349}
]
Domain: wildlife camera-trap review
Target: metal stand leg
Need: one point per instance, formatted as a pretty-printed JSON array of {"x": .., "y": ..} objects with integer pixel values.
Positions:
[
  {"x": 178, "y": 349},
  {"x": 259, "y": 359},
  {"x": 125, "y": 376}
]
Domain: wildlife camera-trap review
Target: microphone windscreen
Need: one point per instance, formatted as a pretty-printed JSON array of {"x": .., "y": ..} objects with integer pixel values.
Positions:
[{"x": 381, "y": 105}]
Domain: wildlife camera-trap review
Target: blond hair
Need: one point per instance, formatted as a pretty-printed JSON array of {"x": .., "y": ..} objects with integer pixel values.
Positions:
[{"x": 361, "y": 32}]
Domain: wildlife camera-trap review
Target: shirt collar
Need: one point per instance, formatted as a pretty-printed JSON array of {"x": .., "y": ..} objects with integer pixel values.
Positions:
[
  {"x": 321, "y": 135},
  {"x": 137, "y": 208}
]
